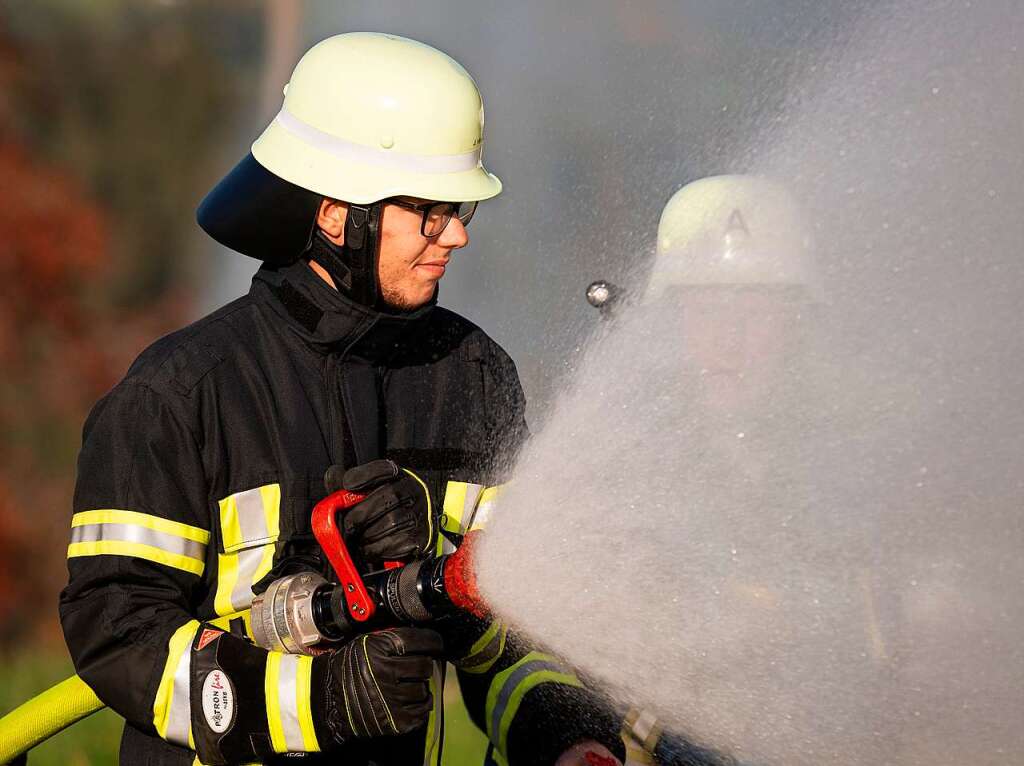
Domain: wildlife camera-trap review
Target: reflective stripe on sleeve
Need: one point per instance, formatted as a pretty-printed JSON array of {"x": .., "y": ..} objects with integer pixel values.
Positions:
[
  {"x": 487, "y": 649},
  {"x": 289, "y": 716},
  {"x": 250, "y": 525},
  {"x": 460, "y": 499},
  {"x": 236, "y": 574},
  {"x": 643, "y": 726},
  {"x": 510, "y": 686},
  {"x": 172, "y": 716},
  {"x": 485, "y": 506},
  {"x": 251, "y": 517},
  {"x": 114, "y": 532}
]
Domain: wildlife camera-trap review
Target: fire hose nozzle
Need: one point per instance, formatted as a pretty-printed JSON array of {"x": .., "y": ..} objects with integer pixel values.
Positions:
[{"x": 301, "y": 611}]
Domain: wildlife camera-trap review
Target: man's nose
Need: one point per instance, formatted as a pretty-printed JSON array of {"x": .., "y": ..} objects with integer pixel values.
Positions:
[{"x": 454, "y": 235}]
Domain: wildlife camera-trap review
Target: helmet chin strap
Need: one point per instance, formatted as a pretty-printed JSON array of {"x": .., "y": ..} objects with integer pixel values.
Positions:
[{"x": 353, "y": 266}]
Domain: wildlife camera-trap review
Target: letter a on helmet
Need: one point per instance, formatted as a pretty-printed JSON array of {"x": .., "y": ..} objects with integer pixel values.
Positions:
[
  {"x": 732, "y": 230},
  {"x": 366, "y": 117}
]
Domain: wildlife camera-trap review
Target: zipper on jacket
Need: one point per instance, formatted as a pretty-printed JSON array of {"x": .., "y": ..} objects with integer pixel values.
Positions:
[{"x": 332, "y": 378}]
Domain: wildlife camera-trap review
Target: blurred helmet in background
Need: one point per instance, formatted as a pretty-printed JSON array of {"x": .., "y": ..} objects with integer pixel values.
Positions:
[
  {"x": 733, "y": 230},
  {"x": 734, "y": 263}
]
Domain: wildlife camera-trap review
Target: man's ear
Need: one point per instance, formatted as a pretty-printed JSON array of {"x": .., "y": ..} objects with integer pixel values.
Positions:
[{"x": 331, "y": 219}]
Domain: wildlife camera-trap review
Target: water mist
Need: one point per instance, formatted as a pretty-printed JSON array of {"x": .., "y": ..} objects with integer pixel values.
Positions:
[{"x": 833, "y": 574}]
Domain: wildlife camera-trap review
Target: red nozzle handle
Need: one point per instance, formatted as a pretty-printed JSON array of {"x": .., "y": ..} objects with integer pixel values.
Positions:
[{"x": 325, "y": 527}]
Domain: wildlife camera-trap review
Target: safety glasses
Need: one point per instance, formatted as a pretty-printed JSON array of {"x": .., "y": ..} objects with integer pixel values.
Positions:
[{"x": 436, "y": 215}]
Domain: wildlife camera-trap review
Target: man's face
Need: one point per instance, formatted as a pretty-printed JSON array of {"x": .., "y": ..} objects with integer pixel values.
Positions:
[
  {"x": 411, "y": 265},
  {"x": 739, "y": 342}
]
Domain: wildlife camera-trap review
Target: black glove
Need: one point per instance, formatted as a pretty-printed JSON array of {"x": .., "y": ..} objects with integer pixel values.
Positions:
[
  {"x": 394, "y": 522},
  {"x": 378, "y": 683}
]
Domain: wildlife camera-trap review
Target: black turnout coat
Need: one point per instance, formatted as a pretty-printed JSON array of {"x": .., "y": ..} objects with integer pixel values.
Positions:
[{"x": 196, "y": 479}]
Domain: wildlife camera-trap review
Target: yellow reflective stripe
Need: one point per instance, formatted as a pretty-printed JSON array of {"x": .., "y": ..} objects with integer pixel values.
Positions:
[
  {"x": 486, "y": 650},
  {"x": 431, "y": 751},
  {"x": 230, "y": 529},
  {"x": 460, "y": 500},
  {"x": 454, "y": 503},
  {"x": 287, "y": 688},
  {"x": 139, "y": 551},
  {"x": 643, "y": 727},
  {"x": 510, "y": 686},
  {"x": 451, "y": 515},
  {"x": 224, "y": 621},
  {"x": 303, "y": 692},
  {"x": 485, "y": 639},
  {"x": 270, "y": 688},
  {"x": 237, "y": 573},
  {"x": 496, "y": 758},
  {"x": 250, "y": 517},
  {"x": 250, "y": 525},
  {"x": 158, "y": 523},
  {"x": 114, "y": 532},
  {"x": 227, "y": 576},
  {"x": 172, "y": 716},
  {"x": 485, "y": 505}
]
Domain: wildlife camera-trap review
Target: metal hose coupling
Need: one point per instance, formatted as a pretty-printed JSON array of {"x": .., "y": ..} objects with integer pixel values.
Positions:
[{"x": 284, "y": 616}]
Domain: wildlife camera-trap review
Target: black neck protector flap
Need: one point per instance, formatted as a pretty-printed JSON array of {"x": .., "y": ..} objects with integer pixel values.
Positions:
[
  {"x": 259, "y": 214},
  {"x": 256, "y": 213}
]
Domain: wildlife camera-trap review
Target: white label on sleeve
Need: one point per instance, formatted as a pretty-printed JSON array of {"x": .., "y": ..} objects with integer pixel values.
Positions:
[{"x": 218, "y": 701}]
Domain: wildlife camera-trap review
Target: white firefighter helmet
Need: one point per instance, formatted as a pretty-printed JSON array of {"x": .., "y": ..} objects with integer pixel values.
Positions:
[
  {"x": 732, "y": 230},
  {"x": 368, "y": 116}
]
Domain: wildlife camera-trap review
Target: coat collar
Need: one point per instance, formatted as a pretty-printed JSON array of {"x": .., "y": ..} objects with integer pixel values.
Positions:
[{"x": 329, "y": 321}]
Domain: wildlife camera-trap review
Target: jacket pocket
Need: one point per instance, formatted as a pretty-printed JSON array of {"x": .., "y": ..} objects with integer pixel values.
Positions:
[{"x": 250, "y": 526}]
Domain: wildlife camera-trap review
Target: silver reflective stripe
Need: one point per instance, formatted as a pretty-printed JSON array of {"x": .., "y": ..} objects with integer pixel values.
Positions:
[
  {"x": 469, "y": 506},
  {"x": 643, "y": 727},
  {"x": 180, "y": 718},
  {"x": 510, "y": 685},
  {"x": 248, "y": 563},
  {"x": 134, "y": 533},
  {"x": 346, "y": 150},
  {"x": 251, "y": 518},
  {"x": 288, "y": 702}
]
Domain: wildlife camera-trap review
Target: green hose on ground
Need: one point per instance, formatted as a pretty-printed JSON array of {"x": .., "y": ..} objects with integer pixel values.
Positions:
[{"x": 45, "y": 715}]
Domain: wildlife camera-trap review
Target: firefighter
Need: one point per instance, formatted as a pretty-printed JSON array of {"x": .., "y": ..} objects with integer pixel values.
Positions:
[
  {"x": 199, "y": 469},
  {"x": 734, "y": 255},
  {"x": 730, "y": 290}
]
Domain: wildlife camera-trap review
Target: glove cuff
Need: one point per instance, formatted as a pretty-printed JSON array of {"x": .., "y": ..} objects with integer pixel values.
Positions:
[{"x": 327, "y": 705}]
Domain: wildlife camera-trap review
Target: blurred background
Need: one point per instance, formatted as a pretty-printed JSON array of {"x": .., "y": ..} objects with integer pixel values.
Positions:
[{"x": 116, "y": 116}]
